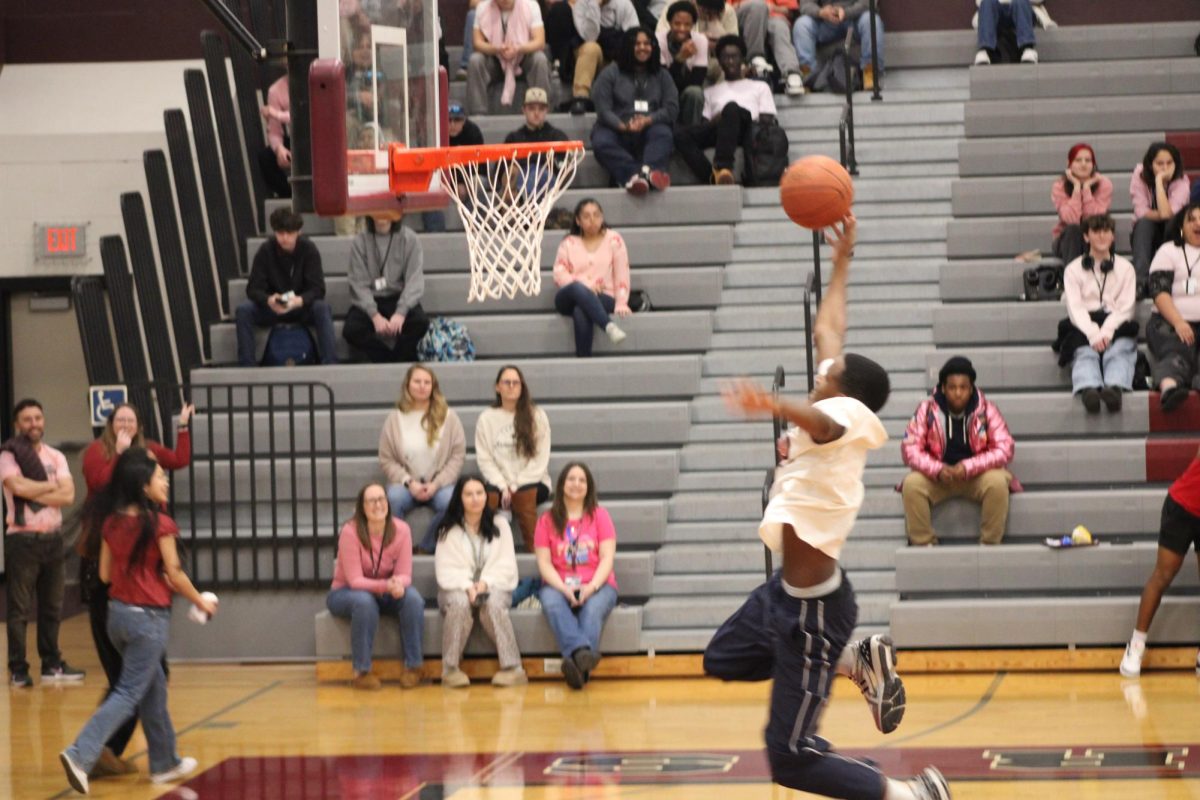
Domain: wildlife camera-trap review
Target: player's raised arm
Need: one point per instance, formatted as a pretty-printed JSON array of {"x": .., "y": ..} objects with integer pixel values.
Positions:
[
  {"x": 751, "y": 399},
  {"x": 829, "y": 330}
]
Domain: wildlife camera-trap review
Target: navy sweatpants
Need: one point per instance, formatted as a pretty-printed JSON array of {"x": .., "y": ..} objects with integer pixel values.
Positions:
[{"x": 797, "y": 643}]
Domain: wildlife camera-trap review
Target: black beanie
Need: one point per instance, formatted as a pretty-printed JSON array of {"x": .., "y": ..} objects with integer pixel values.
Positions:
[{"x": 956, "y": 365}]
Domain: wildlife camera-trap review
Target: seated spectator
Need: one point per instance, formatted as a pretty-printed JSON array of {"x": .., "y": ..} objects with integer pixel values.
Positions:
[
  {"x": 576, "y": 545},
  {"x": 1172, "y": 330},
  {"x": 1100, "y": 333},
  {"x": 1159, "y": 189},
  {"x": 421, "y": 449},
  {"x": 824, "y": 21},
  {"x": 387, "y": 279},
  {"x": 508, "y": 40},
  {"x": 476, "y": 570},
  {"x": 768, "y": 23},
  {"x": 286, "y": 286},
  {"x": 684, "y": 53},
  {"x": 1079, "y": 193},
  {"x": 462, "y": 130},
  {"x": 731, "y": 108},
  {"x": 512, "y": 448},
  {"x": 373, "y": 576},
  {"x": 275, "y": 160},
  {"x": 957, "y": 445},
  {"x": 536, "y": 128},
  {"x": 583, "y": 36},
  {"x": 636, "y": 105},
  {"x": 716, "y": 19},
  {"x": 994, "y": 14},
  {"x": 467, "y": 40},
  {"x": 591, "y": 271}
]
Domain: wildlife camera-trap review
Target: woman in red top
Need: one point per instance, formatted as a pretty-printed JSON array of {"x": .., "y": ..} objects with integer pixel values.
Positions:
[
  {"x": 140, "y": 561},
  {"x": 122, "y": 431}
]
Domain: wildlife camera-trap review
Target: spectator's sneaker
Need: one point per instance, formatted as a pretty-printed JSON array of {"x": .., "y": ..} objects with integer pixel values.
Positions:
[
  {"x": 760, "y": 66},
  {"x": 20, "y": 680},
  {"x": 586, "y": 659},
  {"x": 366, "y": 683},
  {"x": 615, "y": 334},
  {"x": 76, "y": 775},
  {"x": 930, "y": 785},
  {"x": 1173, "y": 398},
  {"x": 578, "y": 106},
  {"x": 1131, "y": 662},
  {"x": 660, "y": 180},
  {"x": 637, "y": 186},
  {"x": 1091, "y": 400},
  {"x": 874, "y": 672},
  {"x": 411, "y": 678},
  {"x": 723, "y": 177},
  {"x": 571, "y": 673},
  {"x": 455, "y": 678},
  {"x": 186, "y": 766},
  {"x": 982, "y": 57},
  {"x": 1111, "y": 395},
  {"x": 461, "y": 75},
  {"x": 1029, "y": 55},
  {"x": 513, "y": 676},
  {"x": 795, "y": 85},
  {"x": 110, "y": 765},
  {"x": 63, "y": 673},
  {"x": 868, "y": 76}
]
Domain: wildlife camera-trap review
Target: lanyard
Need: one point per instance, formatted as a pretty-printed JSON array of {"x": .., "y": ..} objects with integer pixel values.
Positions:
[
  {"x": 384, "y": 258},
  {"x": 1190, "y": 264},
  {"x": 1100, "y": 284},
  {"x": 376, "y": 564},
  {"x": 478, "y": 552},
  {"x": 572, "y": 553}
]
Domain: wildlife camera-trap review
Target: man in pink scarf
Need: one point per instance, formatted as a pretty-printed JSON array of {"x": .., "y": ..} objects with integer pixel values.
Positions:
[{"x": 509, "y": 38}]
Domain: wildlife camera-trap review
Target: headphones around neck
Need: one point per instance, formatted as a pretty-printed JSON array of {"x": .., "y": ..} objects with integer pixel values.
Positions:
[{"x": 1106, "y": 265}]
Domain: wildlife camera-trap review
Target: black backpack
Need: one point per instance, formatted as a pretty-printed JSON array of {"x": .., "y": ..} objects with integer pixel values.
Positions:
[
  {"x": 831, "y": 75},
  {"x": 768, "y": 154},
  {"x": 289, "y": 345}
]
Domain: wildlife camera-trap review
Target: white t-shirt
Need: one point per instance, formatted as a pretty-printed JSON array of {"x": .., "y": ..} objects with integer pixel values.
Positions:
[
  {"x": 818, "y": 489},
  {"x": 418, "y": 452},
  {"x": 1176, "y": 260},
  {"x": 754, "y": 96},
  {"x": 535, "y": 14}
]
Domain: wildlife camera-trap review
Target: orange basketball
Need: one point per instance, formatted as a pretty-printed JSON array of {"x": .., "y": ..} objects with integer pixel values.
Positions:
[{"x": 816, "y": 191}]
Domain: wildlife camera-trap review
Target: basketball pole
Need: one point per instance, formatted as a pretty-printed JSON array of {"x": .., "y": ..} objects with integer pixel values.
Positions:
[{"x": 301, "y": 50}]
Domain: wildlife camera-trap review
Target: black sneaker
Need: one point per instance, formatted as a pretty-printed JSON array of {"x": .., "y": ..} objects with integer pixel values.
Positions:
[
  {"x": 572, "y": 673},
  {"x": 63, "y": 673},
  {"x": 1111, "y": 395},
  {"x": 1091, "y": 400},
  {"x": 875, "y": 674},
  {"x": 20, "y": 680}
]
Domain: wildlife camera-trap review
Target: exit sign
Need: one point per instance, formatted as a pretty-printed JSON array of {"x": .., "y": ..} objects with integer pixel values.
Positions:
[{"x": 60, "y": 241}]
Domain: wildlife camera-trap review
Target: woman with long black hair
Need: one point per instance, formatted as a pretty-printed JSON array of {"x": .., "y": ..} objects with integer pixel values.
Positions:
[{"x": 139, "y": 560}]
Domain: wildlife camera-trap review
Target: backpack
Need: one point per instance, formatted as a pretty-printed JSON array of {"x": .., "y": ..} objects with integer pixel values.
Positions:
[
  {"x": 446, "y": 340},
  {"x": 831, "y": 76},
  {"x": 1044, "y": 282},
  {"x": 289, "y": 345},
  {"x": 768, "y": 153}
]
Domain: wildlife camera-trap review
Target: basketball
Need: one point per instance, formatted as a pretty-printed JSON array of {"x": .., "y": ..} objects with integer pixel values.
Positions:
[{"x": 816, "y": 191}]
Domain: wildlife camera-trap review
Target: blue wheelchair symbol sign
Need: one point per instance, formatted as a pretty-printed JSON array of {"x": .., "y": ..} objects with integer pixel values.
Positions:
[{"x": 104, "y": 400}]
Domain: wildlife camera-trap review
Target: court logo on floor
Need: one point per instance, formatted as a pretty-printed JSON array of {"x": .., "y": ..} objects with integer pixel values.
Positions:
[{"x": 642, "y": 764}]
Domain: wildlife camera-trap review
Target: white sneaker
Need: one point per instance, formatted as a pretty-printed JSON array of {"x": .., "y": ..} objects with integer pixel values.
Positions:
[
  {"x": 760, "y": 66},
  {"x": 186, "y": 766},
  {"x": 982, "y": 58},
  {"x": 874, "y": 672},
  {"x": 1131, "y": 662},
  {"x": 76, "y": 775},
  {"x": 615, "y": 334},
  {"x": 930, "y": 785},
  {"x": 1029, "y": 55},
  {"x": 795, "y": 85}
]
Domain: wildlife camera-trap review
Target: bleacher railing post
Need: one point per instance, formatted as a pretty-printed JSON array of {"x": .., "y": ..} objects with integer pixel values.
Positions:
[
  {"x": 814, "y": 281},
  {"x": 877, "y": 92}
]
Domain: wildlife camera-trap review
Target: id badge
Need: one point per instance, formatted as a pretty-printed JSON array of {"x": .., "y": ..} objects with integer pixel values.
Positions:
[
  {"x": 641, "y": 106},
  {"x": 572, "y": 581},
  {"x": 380, "y": 284},
  {"x": 1191, "y": 285}
]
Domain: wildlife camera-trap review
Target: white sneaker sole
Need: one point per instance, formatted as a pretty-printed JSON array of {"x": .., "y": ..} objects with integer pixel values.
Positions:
[
  {"x": 185, "y": 767},
  {"x": 62, "y": 678},
  {"x": 887, "y": 707},
  {"x": 75, "y": 776}
]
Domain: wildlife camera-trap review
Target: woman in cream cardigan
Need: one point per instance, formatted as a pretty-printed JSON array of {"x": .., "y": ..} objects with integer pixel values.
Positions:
[
  {"x": 476, "y": 570},
  {"x": 421, "y": 449}
]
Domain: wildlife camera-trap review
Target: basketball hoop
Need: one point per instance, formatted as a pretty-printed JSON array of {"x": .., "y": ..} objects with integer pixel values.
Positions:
[{"x": 504, "y": 192}]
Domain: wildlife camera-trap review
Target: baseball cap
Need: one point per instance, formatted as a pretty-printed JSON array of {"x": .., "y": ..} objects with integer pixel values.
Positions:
[
  {"x": 536, "y": 94},
  {"x": 456, "y": 111}
]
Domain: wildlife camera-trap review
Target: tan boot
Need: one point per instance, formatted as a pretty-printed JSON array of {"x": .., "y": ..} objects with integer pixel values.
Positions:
[
  {"x": 366, "y": 682},
  {"x": 868, "y": 78},
  {"x": 723, "y": 177},
  {"x": 110, "y": 765},
  {"x": 411, "y": 678}
]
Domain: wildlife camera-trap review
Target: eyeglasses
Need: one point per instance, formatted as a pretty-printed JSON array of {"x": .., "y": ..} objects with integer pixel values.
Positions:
[
  {"x": 509, "y": 382},
  {"x": 375, "y": 500}
]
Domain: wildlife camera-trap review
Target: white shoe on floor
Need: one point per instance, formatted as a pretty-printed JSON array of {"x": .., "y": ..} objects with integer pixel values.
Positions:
[
  {"x": 795, "y": 85},
  {"x": 982, "y": 58},
  {"x": 1131, "y": 662},
  {"x": 615, "y": 334},
  {"x": 186, "y": 766},
  {"x": 1029, "y": 55},
  {"x": 76, "y": 775}
]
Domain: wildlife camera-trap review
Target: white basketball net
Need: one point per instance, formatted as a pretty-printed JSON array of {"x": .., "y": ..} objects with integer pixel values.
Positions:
[{"x": 503, "y": 205}]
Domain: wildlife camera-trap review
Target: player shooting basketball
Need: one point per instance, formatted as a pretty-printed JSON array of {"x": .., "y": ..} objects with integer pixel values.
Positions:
[{"x": 796, "y": 627}]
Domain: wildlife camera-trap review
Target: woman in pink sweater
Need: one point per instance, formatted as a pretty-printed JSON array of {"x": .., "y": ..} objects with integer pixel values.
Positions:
[
  {"x": 1080, "y": 192},
  {"x": 591, "y": 272},
  {"x": 1159, "y": 189},
  {"x": 373, "y": 575}
]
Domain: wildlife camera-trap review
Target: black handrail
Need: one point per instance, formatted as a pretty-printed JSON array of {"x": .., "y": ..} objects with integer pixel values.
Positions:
[
  {"x": 777, "y": 427},
  {"x": 846, "y": 125},
  {"x": 877, "y": 92},
  {"x": 813, "y": 284}
]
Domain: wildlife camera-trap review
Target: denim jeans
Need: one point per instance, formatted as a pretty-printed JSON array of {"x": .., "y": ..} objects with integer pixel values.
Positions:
[
  {"x": 586, "y": 308},
  {"x": 577, "y": 627},
  {"x": 624, "y": 154},
  {"x": 468, "y": 39},
  {"x": 363, "y": 609},
  {"x": 1114, "y": 367},
  {"x": 140, "y": 633},
  {"x": 402, "y": 502},
  {"x": 251, "y": 315},
  {"x": 1018, "y": 13},
  {"x": 35, "y": 566},
  {"x": 809, "y": 33},
  {"x": 1145, "y": 239}
]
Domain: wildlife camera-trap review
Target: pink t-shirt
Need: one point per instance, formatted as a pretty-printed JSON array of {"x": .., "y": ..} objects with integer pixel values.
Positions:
[
  {"x": 369, "y": 571},
  {"x": 577, "y": 552},
  {"x": 48, "y": 518}
]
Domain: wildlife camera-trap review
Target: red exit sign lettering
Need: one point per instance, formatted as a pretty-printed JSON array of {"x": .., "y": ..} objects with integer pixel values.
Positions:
[{"x": 60, "y": 241}]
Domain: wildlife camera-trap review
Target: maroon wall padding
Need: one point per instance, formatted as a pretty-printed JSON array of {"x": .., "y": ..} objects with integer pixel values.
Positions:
[
  {"x": 1184, "y": 419},
  {"x": 1166, "y": 459},
  {"x": 1189, "y": 147}
]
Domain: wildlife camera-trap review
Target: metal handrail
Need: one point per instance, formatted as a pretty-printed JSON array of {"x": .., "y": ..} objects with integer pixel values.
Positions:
[
  {"x": 877, "y": 92},
  {"x": 846, "y": 124}
]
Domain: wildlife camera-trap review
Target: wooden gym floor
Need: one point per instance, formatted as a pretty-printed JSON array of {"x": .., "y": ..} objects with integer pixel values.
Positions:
[{"x": 275, "y": 732}]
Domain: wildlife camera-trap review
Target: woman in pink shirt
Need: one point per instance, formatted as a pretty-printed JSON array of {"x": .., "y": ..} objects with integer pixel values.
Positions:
[
  {"x": 1159, "y": 189},
  {"x": 591, "y": 272},
  {"x": 576, "y": 544},
  {"x": 1080, "y": 192},
  {"x": 373, "y": 575}
]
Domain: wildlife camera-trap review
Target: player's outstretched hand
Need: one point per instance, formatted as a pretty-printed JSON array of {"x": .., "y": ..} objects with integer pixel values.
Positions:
[
  {"x": 842, "y": 238},
  {"x": 749, "y": 398}
]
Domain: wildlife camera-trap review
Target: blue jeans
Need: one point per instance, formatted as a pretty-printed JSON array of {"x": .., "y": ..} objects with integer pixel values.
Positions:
[
  {"x": 140, "y": 633},
  {"x": 577, "y": 627},
  {"x": 250, "y": 315},
  {"x": 1018, "y": 13},
  {"x": 1113, "y": 367},
  {"x": 402, "y": 502},
  {"x": 809, "y": 33},
  {"x": 363, "y": 610},
  {"x": 468, "y": 39},
  {"x": 624, "y": 154},
  {"x": 587, "y": 309}
]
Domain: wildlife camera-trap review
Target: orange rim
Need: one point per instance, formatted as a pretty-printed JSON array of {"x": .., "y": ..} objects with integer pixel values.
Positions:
[{"x": 411, "y": 168}]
